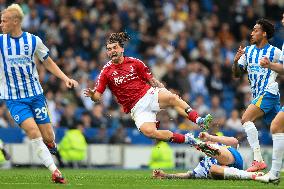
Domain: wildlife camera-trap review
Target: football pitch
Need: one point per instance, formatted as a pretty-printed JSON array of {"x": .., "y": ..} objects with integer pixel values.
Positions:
[{"x": 114, "y": 179}]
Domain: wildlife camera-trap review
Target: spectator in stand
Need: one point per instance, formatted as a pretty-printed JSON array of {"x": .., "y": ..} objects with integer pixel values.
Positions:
[
  {"x": 234, "y": 122},
  {"x": 86, "y": 119},
  {"x": 217, "y": 112},
  {"x": 119, "y": 136},
  {"x": 200, "y": 105},
  {"x": 97, "y": 115},
  {"x": 101, "y": 137},
  {"x": 68, "y": 118}
]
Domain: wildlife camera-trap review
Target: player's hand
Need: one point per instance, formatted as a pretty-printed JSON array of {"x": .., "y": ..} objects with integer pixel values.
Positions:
[
  {"x": 89, "y": 92},
  {"x": 71, "y": 83},
  {"x": 204, "y": 136},
  {"x": 264, "y": 62},
  {"x": 240, "y": 52},
  {"x": 158, "y": 174},
  {"x": 155, "y": 83}
]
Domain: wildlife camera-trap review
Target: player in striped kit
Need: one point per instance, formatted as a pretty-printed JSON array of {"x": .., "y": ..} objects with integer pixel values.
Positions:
[
  {"x": 264, "y": 88},
  {"x": 20, "y": 86},
  {"x": 222, "y": 161},
  {"x": 276, "y": 128}
]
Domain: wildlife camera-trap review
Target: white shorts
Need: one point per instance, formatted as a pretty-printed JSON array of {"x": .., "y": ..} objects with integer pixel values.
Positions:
[{"x": 146, "y": 108}]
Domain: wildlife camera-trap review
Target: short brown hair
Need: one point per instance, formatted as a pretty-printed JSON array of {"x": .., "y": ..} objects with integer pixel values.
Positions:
[{"x": 119, "y": 38}]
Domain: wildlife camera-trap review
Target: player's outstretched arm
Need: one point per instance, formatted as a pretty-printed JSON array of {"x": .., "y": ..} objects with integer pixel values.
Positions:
[
  {"x": 277, "y": 67},
  {"x": 50, "y": 65},
  {"x": 93, "y": 94},
  {"x": 230, "y": 141},
  {"x": 160, "y": 174}
]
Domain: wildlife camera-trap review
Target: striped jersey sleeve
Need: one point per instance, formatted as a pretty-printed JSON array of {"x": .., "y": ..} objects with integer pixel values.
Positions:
[
  {"x": 42, "y": 51},
  {"x": 281, "y": 59}
]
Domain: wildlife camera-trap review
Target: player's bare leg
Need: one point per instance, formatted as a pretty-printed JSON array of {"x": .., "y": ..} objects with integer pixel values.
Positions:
[
  {"x": 168, "y": 99},
  {"x": 48, "y": 137},
  {"x": 251, "y": 114},
  {"x": 31, "y": 129},
  {"x": 150, "y": 130}
]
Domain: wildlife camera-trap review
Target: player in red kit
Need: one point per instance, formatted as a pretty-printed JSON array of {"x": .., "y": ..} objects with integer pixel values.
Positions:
[{"x": 140, "y": 94}]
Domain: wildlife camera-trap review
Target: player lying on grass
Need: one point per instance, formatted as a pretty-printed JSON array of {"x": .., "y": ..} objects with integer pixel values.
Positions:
[{"x": 222, "y": 160}]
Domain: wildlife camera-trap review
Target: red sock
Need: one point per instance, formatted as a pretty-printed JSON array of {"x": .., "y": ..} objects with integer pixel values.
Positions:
[
  {"x": 177, "y": 138},
  {"x": 193, "y": 115}
]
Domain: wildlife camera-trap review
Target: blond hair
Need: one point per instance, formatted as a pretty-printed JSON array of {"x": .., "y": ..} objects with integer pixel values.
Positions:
[{"x": 17, "y": 10}]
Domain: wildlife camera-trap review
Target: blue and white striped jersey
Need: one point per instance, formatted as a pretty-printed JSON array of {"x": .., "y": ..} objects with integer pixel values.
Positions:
[
  {"x": 282, "y": 55},
  {"x": 18, "y": 74},
  {"x": 261, "y": 79}
]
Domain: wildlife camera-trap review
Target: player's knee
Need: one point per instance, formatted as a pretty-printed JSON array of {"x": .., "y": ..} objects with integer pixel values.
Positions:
[
  {"x": 148, "y": 132},
  {"x": 244, "y": 119},
  {"x": 276, "y": 127},
  {"x": 173, "y": 98},
  {"x": 33, "y": 133}
]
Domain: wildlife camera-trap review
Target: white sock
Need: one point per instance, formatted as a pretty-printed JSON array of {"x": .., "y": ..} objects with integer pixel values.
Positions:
[
  {"x": 252, "y": 136},
  {"x": 43, "y": 153},
  {"x": 277, "y": 153},
  {"x": 234, "y": 173}
]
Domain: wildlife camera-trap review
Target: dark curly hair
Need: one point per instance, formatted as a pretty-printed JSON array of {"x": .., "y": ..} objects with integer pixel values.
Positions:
[
  {"x": 267, "y": 27},
  {"x": 119, "y": 38}
]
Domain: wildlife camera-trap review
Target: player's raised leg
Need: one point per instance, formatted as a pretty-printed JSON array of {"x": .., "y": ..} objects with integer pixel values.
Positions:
[
  {"x": 168, "y": 99},
  {"x": 150, "y": 130}
]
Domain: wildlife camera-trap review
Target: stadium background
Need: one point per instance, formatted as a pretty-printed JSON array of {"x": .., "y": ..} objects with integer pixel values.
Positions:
[{"x": 189, "y": 46}]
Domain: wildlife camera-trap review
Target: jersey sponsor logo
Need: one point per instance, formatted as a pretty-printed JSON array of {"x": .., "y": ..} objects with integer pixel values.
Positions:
[
  {"x": 256, "y": 68},
  {"x": 122, "y": 79},
  {"x": 19, "y": 60}
]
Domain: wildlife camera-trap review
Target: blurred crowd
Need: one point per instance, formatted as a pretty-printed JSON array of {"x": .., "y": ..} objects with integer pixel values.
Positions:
[{"x": 188, "y": 44}]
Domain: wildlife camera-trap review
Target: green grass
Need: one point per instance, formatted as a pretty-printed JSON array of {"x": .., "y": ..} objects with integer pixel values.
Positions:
[{"x": 114, "y": 179}]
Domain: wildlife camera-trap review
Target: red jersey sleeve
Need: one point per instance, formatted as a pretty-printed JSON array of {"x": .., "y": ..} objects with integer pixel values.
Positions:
[
  {"x": 101, "y": 82},
  {"x": 143, "y": 70}
]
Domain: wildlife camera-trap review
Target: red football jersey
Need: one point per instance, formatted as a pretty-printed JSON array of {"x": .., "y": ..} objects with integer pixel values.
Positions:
[{"x": 127, "y": 81}]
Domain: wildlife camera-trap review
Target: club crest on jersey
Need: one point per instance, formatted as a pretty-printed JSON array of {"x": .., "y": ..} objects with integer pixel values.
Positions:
[
  {"x": 131, "y": 69},
  {"x": 26, "y": 47},
  {"x": 16, "y": 118}
]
